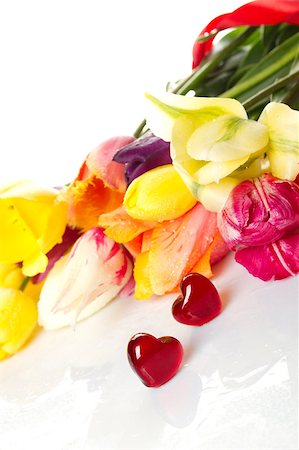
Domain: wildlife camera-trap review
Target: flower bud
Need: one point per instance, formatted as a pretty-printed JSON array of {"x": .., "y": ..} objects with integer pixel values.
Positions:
[{"x": 159, "y": 194}]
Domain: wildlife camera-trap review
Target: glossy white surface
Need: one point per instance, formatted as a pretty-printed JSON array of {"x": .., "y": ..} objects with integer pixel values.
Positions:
[{"x": 236, "y": 390}]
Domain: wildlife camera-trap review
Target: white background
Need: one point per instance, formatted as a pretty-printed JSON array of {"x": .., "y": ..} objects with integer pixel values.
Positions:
[{"x": 74, "y": 72}]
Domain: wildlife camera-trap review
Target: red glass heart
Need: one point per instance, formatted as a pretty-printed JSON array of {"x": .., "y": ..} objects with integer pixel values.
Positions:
[
  {"x": 199, "y": 303},
  {"x": 155, "y": 361}
]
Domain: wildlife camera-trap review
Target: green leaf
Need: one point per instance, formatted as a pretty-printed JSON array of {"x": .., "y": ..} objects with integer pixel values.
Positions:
[{"x": 275, "y": 65}]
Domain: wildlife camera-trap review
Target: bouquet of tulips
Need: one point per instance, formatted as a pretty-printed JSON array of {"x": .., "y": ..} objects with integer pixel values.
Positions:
[{"x": 211, "y": 169}]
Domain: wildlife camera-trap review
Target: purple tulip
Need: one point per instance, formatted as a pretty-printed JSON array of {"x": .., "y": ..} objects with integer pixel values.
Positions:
[{"x": 142, "y": 155}]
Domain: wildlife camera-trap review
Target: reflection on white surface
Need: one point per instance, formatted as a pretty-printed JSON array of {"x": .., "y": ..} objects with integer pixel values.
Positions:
[{"x": 236, "y": 390}]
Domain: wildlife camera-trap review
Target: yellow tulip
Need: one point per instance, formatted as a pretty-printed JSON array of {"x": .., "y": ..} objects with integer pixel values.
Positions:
[
  {"x": 18, "y": 317},
  {"x": 159, "y": 194},
  {"x": 32, "y": 222}
]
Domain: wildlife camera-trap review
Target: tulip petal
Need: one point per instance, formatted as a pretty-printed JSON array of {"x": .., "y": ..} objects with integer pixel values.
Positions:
[
  {"x": 68, "y": 239},
  {"x": 101, "y": 164},
  {"x": 20, "y": 243},
  {"x": 283, "y": 126},
  {"x": 227, "y": 138},
  {"x": 120, "y": 227},
  {"x": 143, "y": 289},
  {"x": 99, "y": 186},
  {"x": 213, "y": 172},
  {"x": 18, "y": 316},
  {"x": 84, "y": 281},
  {"x": 163, "y": 112},
  {"x": 259, "y": 212},
  {"x": 32, "y": 222},
  {"x": 134, "y": 246},
  {"x": 88, "y": 199},
  {"x": 158, "y": 195},
  {"x": 214, "y": 196},
  {"x": 177, "y": 245},
  {"x": 142, "y": 155},
  {"x": 273, "y": 261},
  {"x": 215, "y": 253}
]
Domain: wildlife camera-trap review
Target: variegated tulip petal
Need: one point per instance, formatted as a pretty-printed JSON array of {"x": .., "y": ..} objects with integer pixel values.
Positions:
[
  {"x": 84, "y": 281},
  {"x": 177, "y": 245}
]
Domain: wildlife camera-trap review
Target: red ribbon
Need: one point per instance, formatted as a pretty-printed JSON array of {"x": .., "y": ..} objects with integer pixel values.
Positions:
[{"x": 258, "y": 12}]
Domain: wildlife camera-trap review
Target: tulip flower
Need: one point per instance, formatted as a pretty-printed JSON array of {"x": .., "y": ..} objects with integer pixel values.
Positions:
[
  {"x": 259, "y": 12},
  {"x": 18, "y": 317},
  {"x": 82, "y": 282},
  {"x": 260, "y": 221},
  {"x": 32, "y": 222},
  {"x": 214, "y": 147},
  {"x": 99, "y": 187},
  {"x": 142, "y": 155},
  {"x": 158, "y": 195},
  {"x": 171, "y": 250},
  {"x": 205, "y": 136}
]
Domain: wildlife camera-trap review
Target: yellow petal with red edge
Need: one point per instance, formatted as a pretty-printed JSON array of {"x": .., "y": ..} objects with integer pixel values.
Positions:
[
  {"x": 121, "y": 227},
  {"x": 177, "y": 245},
  {"x": 157, "y": 195},
  {"x": 143, "y": 288}
]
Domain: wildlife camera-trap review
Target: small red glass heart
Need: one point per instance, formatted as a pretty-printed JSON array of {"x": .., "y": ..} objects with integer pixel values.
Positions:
[
  {"x": 199, "y": 303},
  {"x": 154, "y": 360}
]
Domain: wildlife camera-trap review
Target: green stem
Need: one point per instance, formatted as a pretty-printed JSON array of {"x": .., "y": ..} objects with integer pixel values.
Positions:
[
  {"x": 139, "y": 129},
  {"x": 202, "y": 71},
  {"x": 199, "y": 74},
  {"x": 291, "y": 96},
  {"x": 264, "y": 93},
  {"x": 24, "y": 284},
  {"x": 268, "y": 71}
]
